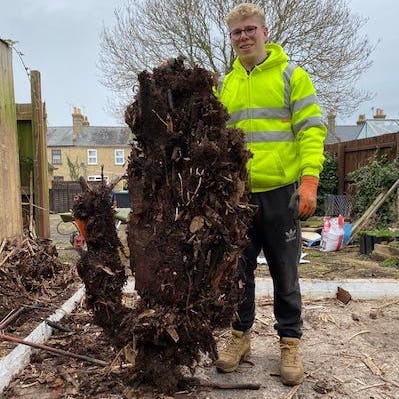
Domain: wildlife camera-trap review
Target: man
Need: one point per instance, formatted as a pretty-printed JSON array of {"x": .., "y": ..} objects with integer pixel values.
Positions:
[{"x": 274, "y": 103}]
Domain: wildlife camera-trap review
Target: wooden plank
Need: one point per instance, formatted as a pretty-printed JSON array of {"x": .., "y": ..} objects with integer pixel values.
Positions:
[
  {"x": 372, "y": 209},
  {"x": 24, "y": 112},
  {"x": 10, "y": 195}
]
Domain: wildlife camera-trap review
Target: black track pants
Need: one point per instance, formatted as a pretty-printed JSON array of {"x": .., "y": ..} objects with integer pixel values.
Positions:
[{"x": 274, "y": 230}]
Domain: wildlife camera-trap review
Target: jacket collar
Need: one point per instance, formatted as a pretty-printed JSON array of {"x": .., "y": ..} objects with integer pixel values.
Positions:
[{"x": 276, "y": 56}]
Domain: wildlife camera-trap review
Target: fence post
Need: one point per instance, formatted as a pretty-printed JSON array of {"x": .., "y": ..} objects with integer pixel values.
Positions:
[
  {"x": 40, "y": 167},
  {"x": 341, "y": 168}
]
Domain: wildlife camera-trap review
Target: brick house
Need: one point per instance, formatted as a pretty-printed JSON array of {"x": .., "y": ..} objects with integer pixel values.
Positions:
[{"x": 82, "y": 149}]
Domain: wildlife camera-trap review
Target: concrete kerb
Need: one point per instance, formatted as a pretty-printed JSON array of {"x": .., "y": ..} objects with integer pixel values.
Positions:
[
  {"x": 19, "y": 357},
  {"x": 360, "y": 289}
]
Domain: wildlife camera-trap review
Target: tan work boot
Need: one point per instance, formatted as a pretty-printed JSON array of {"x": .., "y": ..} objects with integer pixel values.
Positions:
[
  {"x": 291, "y": 367},
  {"x": 237, "y": 348}
]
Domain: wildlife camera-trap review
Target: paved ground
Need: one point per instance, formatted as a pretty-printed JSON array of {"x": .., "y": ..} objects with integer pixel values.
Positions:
[
  {"x": 55, "y": 219},
  {"x": 62, "y": 241}
]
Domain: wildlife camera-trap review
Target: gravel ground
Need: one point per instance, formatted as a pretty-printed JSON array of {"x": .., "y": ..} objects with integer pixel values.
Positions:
[{"x": 349, "y": 351}]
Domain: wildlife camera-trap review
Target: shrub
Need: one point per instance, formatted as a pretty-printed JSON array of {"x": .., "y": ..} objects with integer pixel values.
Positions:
[
  {"x": 370, "y": 180},
  {"x": 328, "y": 183}
]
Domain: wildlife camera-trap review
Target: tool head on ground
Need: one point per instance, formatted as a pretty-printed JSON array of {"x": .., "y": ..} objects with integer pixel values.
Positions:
[{"x": 77, "y": 240}]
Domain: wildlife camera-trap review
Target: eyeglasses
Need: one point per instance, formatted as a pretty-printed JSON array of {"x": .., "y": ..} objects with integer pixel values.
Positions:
[{"x": 248, "y": 30}]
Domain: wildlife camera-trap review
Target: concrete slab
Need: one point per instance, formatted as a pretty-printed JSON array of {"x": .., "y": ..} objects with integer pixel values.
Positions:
[{"x": 313, "y": 289}]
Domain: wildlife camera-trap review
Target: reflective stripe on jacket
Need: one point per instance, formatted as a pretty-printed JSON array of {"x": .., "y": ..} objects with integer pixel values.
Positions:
[{"x": 277, "y": 108}]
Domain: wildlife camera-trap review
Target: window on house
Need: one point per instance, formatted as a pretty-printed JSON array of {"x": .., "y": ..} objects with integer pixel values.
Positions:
[
  {"x": 119, "y": 157},
  {"x": 56, "y": 157},
  {"x": 92, "y": 157}
]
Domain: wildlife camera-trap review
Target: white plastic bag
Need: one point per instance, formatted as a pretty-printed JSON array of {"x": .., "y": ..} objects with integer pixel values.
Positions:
[{"x": 332, "y": 235}]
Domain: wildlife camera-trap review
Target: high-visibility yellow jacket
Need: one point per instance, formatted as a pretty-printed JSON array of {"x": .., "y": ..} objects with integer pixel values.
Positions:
[{"x": 276, "y": 106}]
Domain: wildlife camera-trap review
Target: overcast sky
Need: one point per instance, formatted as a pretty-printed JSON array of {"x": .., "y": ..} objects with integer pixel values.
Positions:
[{"x": 61, "y": 39}]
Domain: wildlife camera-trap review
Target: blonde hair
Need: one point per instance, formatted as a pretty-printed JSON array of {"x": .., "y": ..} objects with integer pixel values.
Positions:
[{"x": 245, "y": 10}]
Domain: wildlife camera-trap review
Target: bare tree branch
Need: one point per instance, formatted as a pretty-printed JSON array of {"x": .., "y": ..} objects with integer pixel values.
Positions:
[{"x": 322, "y": 36}]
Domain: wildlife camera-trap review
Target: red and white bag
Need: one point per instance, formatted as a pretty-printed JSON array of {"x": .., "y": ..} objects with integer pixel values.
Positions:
[{"x": 332, "y": 235}]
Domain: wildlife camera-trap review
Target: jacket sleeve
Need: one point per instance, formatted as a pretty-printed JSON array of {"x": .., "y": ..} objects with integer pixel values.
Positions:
[{"x": 307, "y": 123}]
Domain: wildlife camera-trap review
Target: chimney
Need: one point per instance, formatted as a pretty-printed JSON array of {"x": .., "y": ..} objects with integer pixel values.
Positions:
[
  {"x": 331, "y": 122},
  {"x": 85, "y": 121},
  {"x": 361, "y": 119},
  {"x": 379, "y": 114},
  {"x": 77, "y": 121}
]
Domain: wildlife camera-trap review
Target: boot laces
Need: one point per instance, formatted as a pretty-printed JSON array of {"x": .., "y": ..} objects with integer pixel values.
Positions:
[
  {"x": 290, "y": 353},
  {"x": 232, "y": 345}
]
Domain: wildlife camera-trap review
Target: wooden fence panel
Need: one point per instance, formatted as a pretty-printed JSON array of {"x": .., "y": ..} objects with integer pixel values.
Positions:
[
  {"x": 351, "y": 155},
  {"x": 62, "y": 195}
]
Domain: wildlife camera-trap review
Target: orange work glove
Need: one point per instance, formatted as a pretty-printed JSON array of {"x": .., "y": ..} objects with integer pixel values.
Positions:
[
  {"x": 82, "y": 227},
  {"x": 307, "y": 196}
]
